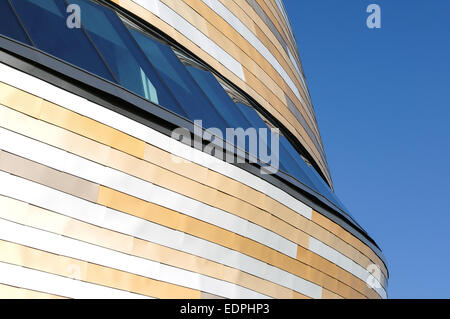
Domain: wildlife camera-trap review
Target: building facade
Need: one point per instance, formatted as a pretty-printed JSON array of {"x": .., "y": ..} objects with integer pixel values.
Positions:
[{"x": 118, "y": 178}]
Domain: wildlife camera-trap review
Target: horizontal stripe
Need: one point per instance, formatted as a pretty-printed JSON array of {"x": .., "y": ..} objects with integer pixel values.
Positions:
[
  {"x": 26, "y": 214},
  {"x": 136, "y": 187},
  {"x": 64, "y": 246},
  {"x": 188, "y": 30},
  {"x": 295, "y": 60},
  {"x": 22, "y": 277},
  {"x": 67, "y": 205},
  {"x": 338, "y": 244},
  {"x": 82, "y": 106},
  {"x": 330, "y": 295},
  {"x": 266, "y": 12}
]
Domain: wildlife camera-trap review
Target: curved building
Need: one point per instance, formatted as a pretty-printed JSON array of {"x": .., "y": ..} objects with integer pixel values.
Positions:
[{"x": 167, "y": 149}]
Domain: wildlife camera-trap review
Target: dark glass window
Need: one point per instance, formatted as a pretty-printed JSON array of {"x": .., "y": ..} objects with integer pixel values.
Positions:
[
  {"x": 127, "y": 62},
  {"x": 9, "y": 25},
  {"x": 45, "y": 22},
  {"x": 256, "y": 122},
  {"x": 193, "y": 101},
  {"x": 310, "y": 175},
  {"x": 289, "y": 155},
  {"x": 218, "y": 97},
  {"x": 325, "y": 190},
  {"x": 222, "y": 103}
]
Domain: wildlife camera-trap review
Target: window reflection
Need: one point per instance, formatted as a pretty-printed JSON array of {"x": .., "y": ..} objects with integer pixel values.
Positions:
[
  {"x": 45, "y": 22},
  {"x": 9, "y": 24}
]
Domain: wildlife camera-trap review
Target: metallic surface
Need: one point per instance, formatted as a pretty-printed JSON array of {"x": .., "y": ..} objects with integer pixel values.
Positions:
[{"x": 95, "y": 204}]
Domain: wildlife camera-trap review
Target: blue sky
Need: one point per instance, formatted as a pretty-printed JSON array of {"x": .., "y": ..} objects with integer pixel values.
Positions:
[{"x": 382, "y": 100}]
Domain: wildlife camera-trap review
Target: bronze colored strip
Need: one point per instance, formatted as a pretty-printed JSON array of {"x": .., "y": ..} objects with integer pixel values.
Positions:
[{"x": 44, "y": 175}]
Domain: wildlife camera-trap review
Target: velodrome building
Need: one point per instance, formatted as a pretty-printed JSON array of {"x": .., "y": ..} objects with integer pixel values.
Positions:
[{"x": 102, "y": 193}]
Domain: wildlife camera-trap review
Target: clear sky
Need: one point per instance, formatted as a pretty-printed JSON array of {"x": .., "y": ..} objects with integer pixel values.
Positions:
[{"x": 382, "y": 100}]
